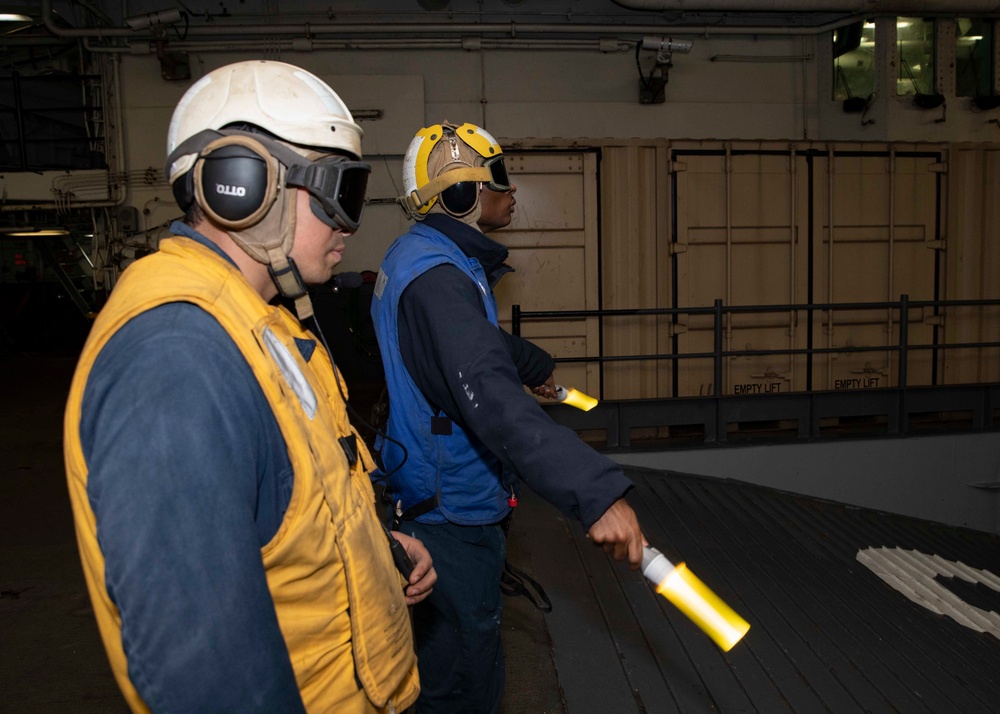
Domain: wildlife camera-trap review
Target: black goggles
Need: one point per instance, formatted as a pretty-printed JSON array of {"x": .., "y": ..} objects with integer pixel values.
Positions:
[
  {"x": 336, "y": 187},
  {"x": 499, "y": 181}
]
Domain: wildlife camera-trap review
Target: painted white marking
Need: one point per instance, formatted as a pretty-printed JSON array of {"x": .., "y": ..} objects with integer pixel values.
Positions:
[
  {"x": 913, "y": 574},
  {"x": 468, "y": 392}
]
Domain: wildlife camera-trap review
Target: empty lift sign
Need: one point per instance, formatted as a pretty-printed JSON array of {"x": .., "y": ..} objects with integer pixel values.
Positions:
[
  {"x": 868, "y": 377},
  {"x": 757, "y": 388},
  {"x": 856, "y": 383}
]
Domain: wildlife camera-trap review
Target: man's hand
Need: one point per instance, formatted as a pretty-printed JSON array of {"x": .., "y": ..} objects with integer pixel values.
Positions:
[
  {"x": 618, "y": 532},
  {"x": 424, "y": 576},
  {"x": 547, "y": 389}
]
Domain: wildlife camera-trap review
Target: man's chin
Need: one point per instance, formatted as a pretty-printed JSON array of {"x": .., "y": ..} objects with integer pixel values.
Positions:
[{"x": 317, "y": 278}]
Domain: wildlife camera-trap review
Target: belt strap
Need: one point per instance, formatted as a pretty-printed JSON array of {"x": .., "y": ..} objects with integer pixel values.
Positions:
[{"x": 414, "y": 511}]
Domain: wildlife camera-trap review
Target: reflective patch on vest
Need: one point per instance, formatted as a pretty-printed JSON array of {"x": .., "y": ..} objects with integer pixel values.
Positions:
[
  {"x": 293, "y": 375},
  {"x": 380, "y": 283}
]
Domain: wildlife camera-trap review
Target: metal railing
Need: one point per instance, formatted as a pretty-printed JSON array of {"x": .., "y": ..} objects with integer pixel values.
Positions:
[{"x": 890, "y": 410}]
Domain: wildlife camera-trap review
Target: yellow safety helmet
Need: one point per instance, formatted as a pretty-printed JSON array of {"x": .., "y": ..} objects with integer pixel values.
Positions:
[{"x": 445, "y": 164}]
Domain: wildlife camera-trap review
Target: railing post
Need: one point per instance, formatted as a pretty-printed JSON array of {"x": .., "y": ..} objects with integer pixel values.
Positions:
[
  {"x": 515, "y": 320},
  {"x": 809, "y": 347},
  {"x": 720, "y": 425},
  {"x": 22, "y": 143},
  {"x": 904, "y": 325},
  {"x": 717, "y": 350}
]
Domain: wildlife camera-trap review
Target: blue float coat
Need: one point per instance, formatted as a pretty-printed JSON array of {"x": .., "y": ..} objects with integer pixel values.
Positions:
[{"x": 444, "y": 331}]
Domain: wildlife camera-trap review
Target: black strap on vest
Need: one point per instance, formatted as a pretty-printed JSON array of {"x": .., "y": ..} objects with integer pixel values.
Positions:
[
  {"x": 349, "y": 444},
  {"x": 440, "y": 426},
  {"x": 414, "y": 511}
]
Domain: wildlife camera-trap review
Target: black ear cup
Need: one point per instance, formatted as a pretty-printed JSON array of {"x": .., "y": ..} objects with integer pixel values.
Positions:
[
  {"x": 461, "y": 198},
  {"x": 235, "y": 181},
  {"x": 183, "y": 189}
]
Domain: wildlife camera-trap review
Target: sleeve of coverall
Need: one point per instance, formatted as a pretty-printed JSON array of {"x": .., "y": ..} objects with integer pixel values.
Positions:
[
  {"x": 534, "y": 365},
  {"x": 462, "y": 364},
  {"x": 175, "y": 444}
]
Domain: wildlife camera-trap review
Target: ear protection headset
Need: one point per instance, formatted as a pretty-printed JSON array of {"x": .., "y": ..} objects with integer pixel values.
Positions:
[
  {"x": 235, "y": 181},
  {"x": 237, "y": 177},
  {"x": 447, "y": 165}
]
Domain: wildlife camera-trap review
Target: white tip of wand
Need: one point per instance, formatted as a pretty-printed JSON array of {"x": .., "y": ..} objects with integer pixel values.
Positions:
[{"x": 575, "y": 398}]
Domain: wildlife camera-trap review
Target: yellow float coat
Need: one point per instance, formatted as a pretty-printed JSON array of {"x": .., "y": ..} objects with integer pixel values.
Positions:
[{"x": 336, "y": 592}]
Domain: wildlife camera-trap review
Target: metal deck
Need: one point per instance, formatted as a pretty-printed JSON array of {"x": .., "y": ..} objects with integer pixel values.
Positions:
[{"x": 827, "y": 634}]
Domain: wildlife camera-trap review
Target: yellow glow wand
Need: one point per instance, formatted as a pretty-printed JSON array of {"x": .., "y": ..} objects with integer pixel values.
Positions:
[
  {"x": 692, "y": 597},
  {"x": 575, "y": 398}
]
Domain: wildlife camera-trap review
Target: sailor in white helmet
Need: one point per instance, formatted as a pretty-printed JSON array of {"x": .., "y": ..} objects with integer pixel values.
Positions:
[
  {"x": 463, "y": 432},
  {"x": 224, "y": 513}
]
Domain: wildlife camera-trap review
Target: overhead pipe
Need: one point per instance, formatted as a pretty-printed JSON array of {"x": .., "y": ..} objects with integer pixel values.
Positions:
[
  {"x": 870, "y": 7},
  {"x": 308, "y": 45},
  {"x": 99, "y": 32},
  {"x": 410, "y": 30}
]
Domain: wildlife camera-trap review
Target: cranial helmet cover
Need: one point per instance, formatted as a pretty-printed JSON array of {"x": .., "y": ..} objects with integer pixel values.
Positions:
[{"x": 445, "y": 167}]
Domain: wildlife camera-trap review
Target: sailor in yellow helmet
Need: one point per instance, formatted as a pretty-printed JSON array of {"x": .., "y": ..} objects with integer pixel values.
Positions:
[
  {"x": 464, "y": 432},
  {"x": 452, "y": 176},
  {"x": 223, "y": 508}
]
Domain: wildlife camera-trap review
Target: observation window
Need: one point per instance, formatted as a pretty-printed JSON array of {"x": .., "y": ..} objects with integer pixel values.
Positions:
[
  {"x": 915, "y": 56},
  {"x": 974, "y": 40},
  {"x": 854, "y": 61}
]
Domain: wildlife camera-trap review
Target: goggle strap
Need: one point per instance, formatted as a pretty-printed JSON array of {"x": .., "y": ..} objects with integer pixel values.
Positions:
[{"x": 418, "y": 198}]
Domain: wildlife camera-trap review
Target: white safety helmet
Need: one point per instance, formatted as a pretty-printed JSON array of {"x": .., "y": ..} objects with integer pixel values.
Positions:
[
  {"x": 245, "y": 135},
  {"x": 285, "y": 100},
  {"x": 445, "y": 167}
]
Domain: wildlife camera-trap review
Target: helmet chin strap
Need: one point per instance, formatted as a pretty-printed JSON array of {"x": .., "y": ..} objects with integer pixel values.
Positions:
[
  {"x": 259, "y": 242},
  {"x": 287, "y": 278}
]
